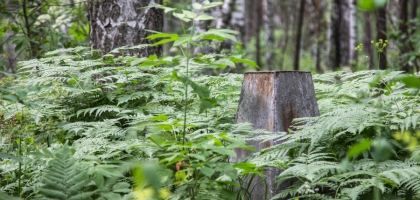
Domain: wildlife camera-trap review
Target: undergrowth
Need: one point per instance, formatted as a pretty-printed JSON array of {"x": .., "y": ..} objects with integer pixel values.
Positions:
[{"x": 121, "y": 127}]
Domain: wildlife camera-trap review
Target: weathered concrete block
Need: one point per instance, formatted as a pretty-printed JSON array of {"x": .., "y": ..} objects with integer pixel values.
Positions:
[{"x": 270, "y": 101}]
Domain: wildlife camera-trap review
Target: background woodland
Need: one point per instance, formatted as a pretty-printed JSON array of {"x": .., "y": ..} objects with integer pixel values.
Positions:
[{"x": 137, "y": 99}]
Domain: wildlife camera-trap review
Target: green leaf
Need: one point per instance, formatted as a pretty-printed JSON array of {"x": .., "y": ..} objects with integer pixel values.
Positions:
[
  {"x": 164, "y": 41},
  {"x": 358, "y": 148},
  {"x": 4, "y": 155},
  {"x": 99, "y": 180},
  {"x": 381, "y": 150},
  {"x": 197, "y": 156},
  {"x": 157, "y": 139},
  {"x": 121, "y": 187},
  {"x": 161, "y": 35},
  {"x": 197, "y": 6},
  {"x": 411, "y": 81},
  {"x": 371, "y": 5},
  {"x": 166, "y": 9},
  {"x": 207, "y": 171},
  {"x": 207, "y": 104},
  {"x": 159, "y": 118},
  {"x": 182, "y": 40},
  {"x": 210, "y": 5},
  {"x": 222, "y": 63},
  {"x": 21, "y": 93},
  {"x": 209, "y": 37},
  {"x": 245, "y": 61},
  {"x": 10, "y": 97},
  {"x": 224, "y": 151},
  {"x": 72, "y": 81},
  {"x": 189, "y": 14},
  {"x": 5, "y": 196},
  {"x": 185, "y": 16},
  {"x": 203, "y": 17},
  {"x": 366, "y": 5},
  {"x": 247, "y": 168},
  {"x": 203, "y": 92},
  {"x": 166, "y": 38}
]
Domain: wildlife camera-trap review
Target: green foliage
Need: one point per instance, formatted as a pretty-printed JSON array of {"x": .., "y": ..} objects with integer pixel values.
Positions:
[
  {"x": 63, "y": 178},
  {"x": 37, "y": 28},
  {"x": 349, "y": 152},
  {"x": 117, "y": 111},
  {"x": 371, "y": 5}
]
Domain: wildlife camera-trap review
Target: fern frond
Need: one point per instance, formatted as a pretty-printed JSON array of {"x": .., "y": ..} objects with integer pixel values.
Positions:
[{"x": 63, "y": 179}]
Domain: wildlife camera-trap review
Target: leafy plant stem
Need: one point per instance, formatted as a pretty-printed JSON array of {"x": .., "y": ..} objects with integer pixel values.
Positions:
[
  {"x": 376, "y": 194},
  {"x": 185, "y": 97},
  {"x": 20, "y": 156}
]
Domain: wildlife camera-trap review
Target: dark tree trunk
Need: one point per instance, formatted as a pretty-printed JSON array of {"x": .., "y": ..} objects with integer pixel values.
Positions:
[
  {"x": 414, "y": 7},
  {"x": 299, "y": 35},
  {"x": 381, "y": 34},
  {"x": 250, "y": 18},
  {"x": 288, "y": 20},
  {"x": 258, "y": 23},
  {"x": 403, "y": 26},
  {"x": 117, "y": 23},
  {"x": 368, "y": 38},
  {"x": 320, "y": 25},
  {"x": 414, "y": 11},
  {"x": 337, "y": 17},
  {"x": 269, "y": 27}
]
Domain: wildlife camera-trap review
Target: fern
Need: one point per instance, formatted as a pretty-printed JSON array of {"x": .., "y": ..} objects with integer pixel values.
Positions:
[{"x": 64, "y": 179}]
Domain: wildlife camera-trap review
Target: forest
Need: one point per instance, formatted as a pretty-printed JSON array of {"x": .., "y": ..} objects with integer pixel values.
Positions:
[{"x": 139, "y": 99}]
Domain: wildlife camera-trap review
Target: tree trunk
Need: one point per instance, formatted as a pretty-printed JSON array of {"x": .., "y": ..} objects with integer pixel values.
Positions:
[
  {"x": 352, "y": 33},
  {"x": 338, "y": 15},
  {"x": 381, "y": 34},
  {"x": 403, "y": 26},
  {"x": 414, "y": 10},
  {"x": 299, "y": 35},
  {"x": 227, "y": 9},
  {"x": 288, "y": 19},
  {"x": 238, "y": 19},
  {"x": 319, "y": 10},
  {"x": 269, "y": 27},
  {"x": 344, "y": 29},
  {"x": 335, "y": 52},
  {"x": 258, "y": 21},
  {"x": 250, "y": 18},
  {"x": 224, "y": 21},
  {"x": 368, "y": 38},
  {"x": 270, "y": 101},
  {"x": 414, "y": 7},
  {"x": 329, "y": 35},
  {"x": 117, "y": 23}
]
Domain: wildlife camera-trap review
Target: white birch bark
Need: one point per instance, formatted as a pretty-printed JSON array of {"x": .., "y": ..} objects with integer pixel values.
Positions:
[
  {"x": 116, "y": 23},
  {"x": 352, "y": 31}
]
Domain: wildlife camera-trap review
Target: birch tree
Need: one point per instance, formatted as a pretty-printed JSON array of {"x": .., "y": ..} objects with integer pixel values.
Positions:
[
  {"x": 117, "y": 23},
  {"x": 352, "y": 55}
]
